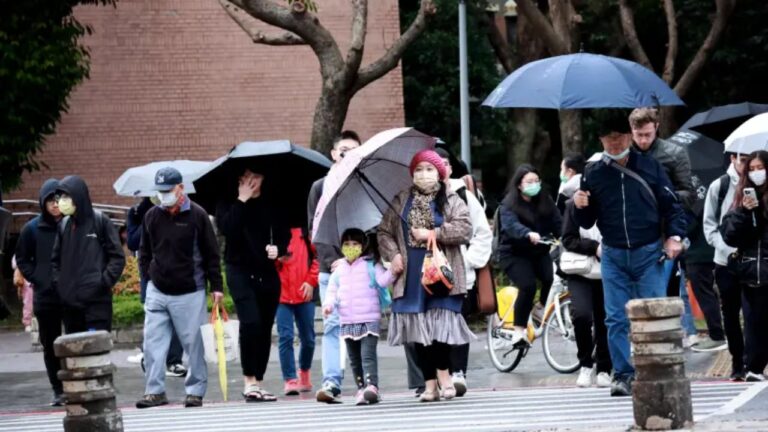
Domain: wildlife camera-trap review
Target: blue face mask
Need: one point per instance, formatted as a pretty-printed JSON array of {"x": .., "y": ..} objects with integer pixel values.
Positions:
[{"x": 617, "y": 157}]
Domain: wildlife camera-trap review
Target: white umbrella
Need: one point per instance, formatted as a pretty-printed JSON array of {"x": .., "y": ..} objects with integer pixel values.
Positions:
[
  {"x": 751, "y": 136},
  {"x": 140, "y": 181}
]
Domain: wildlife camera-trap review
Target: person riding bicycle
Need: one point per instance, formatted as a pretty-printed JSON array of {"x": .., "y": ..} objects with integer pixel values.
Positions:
[{"x": 527, "y": 216}]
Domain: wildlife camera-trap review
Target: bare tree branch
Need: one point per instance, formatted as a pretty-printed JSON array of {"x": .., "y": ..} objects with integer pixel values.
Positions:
[
  {"x": 630, "y": 34},
  {"x": 498, "y": 42},
  {"x": 724, "y": 9},
  {"x": 543, "y": 28},
  {"x": 299, "y": 21},
  {"x": 359, "y": 30},
  {"x": 389, "y": 60},
  {"x": 669, "y": 62},
  {"x": 245, "y": 22}
]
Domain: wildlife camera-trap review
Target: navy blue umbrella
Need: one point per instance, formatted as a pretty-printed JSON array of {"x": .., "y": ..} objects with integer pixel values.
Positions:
[{"x": 582, "y": 81}]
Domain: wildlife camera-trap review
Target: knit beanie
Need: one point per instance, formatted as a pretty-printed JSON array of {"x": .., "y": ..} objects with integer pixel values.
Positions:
[{"x": 432, "y": 157}]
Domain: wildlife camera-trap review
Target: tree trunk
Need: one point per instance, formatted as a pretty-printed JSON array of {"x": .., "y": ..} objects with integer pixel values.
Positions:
[
  {"x": 667, "y": 123},
  {"x": 520, "y": 144},
  {"x": 330, "y": 113},
  {"x": 570, "y": 131}
]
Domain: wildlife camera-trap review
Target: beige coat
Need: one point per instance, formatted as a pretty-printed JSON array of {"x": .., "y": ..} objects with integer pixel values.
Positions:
[{"x": 455, "y": 231}]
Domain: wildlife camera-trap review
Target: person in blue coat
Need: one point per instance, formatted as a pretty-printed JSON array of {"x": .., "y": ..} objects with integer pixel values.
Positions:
[{"x": 631, "y": 199}]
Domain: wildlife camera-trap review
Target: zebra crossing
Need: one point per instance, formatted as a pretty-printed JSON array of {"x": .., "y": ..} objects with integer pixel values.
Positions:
[{"x": 479, "y": 410}]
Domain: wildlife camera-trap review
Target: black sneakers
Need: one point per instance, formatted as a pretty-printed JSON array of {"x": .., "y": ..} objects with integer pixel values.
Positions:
[
  {"x": 193, "y": 401},
  {"x": 329, "y": 394},
  {"x": 152, "y": 400},
  {"x": 58, "y": 400},
  {"x": 176, "y": 370},
  {"x": 622, "y": 386}
]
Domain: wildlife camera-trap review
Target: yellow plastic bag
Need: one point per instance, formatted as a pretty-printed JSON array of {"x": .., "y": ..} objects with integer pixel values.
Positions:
[{"x": 506, "y": 300}]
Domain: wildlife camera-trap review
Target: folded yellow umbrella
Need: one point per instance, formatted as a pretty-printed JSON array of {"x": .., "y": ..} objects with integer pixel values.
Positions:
[{"x": 218, "y": 332}]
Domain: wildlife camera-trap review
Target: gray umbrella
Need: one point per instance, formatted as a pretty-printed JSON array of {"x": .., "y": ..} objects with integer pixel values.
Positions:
[{"x": 139, "y": 181}]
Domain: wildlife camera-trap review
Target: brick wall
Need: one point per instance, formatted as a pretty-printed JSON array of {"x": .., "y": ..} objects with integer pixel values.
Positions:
[{"x": 178, "y": 79}]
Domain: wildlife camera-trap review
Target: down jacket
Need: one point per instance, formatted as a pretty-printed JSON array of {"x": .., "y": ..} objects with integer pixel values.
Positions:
[
  {"x": 299, "y": 266},
  {"x": 350, "y": 290}
]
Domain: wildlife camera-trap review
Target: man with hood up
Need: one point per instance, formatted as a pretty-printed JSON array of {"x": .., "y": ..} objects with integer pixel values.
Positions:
[
  {"x": 33, "y": 257},
  {"x": 87, "y": 260}
]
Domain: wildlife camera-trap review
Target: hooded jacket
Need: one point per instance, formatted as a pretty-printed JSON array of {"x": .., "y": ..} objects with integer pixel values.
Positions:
[
  {"x": 350, "y": 290},
  {"x": 711, "y": 223},
  {"x": 34, "y": 250},
  {"x": 299, "y": 266},
  {"x": 87, "y": 256}
]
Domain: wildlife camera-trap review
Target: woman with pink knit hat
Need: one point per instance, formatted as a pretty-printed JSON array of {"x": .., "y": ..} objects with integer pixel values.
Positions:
[{"x": 432, "y": 322}]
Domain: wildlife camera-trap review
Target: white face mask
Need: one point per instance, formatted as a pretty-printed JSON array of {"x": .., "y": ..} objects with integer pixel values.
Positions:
[
  {"x": 425, "y": 180},
  {"x": 757, "y": 177},
  {"x": 167, "y": 199}
]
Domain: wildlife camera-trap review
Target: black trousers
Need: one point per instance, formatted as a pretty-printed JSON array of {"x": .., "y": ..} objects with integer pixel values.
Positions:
[
  {"x": 460, "y": 353},
  {"x": 363, "y": 360},
  {"x": 256, "y": 298},
  {"x": 588, "y": 309},
  {"x": 702, "y": 277},
  {"x": 732, "y": 305},
  {"x": 49, "y": 323},
  {"x": 91, "y": 317},
  {"x": 430, "y": 358},
  {"x": 523, "y": 272},
  {"x": 756, "y": 321}
]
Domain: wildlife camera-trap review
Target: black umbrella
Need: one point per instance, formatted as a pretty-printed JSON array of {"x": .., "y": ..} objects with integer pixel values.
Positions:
[
  {"x": 707, "y": 162},
  {"x": 289, "y": 171},
  {"x": 720, "y": 121}
]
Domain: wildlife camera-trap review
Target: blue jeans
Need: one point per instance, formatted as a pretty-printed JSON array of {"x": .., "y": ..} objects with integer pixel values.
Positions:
[
  {"x": 628, "y": 274},
  {"x": 175, "y": 352},
  {"x": 185, "y": 313},
  {"x": 332, "y": 372},
  {"x": 304, "y": 314},
  {"x": 687, "y": 319}
]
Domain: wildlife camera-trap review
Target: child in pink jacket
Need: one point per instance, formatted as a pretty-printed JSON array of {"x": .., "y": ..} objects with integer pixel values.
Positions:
[{"x": 354, "y": 289}]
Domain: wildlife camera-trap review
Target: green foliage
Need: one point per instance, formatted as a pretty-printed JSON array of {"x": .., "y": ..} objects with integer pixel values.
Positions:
[
  {"x": 41, "y": 61},
  {"x": 127, "y": 310},
  {"x": 431, "y": 85}
]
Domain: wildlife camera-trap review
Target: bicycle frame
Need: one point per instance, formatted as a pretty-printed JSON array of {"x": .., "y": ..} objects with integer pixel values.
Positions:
[{"x": 558, "y": 293}]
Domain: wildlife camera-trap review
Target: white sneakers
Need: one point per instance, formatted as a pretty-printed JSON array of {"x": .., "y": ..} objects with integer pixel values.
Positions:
[
  {"x": 587, "y": 378},
  {"x": 459, "y": 383}
]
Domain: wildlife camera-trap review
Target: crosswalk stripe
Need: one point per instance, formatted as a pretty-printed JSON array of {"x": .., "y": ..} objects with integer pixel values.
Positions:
[{"x": 479, "y": 410}]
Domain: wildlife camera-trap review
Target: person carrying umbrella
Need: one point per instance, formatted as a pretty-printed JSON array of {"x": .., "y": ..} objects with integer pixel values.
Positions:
[
  {"x": 180, "y": 255},
  {"x": 434, "y": 323},
  {"x": 329, "y": 258},
  {"x": 256, "y": 235}
]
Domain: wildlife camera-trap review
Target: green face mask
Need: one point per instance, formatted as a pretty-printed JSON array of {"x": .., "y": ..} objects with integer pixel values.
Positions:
[
  {"x": 352, "y": 253},
  {"x": 532, "y": 190},
  {"x": 66, "y": 206},
  {"x": 563, "y": 178}
]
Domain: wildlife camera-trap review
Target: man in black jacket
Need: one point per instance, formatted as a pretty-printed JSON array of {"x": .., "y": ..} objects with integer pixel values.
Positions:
[
  {"x": 180, "y": 253},
  {"x": 87, "y": 260},
  {"x": 33, "y": 256},
  {"x": 630, "y": 197}
]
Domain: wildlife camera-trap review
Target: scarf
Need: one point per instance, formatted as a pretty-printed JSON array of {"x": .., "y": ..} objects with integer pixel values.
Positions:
[{"x": 420, "y": 216}]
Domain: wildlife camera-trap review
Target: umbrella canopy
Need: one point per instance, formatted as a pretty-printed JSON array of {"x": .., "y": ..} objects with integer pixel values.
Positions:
[
  {"x": 582, "y": 81},
  {"x": 720, "y": 121},
  {"x": 360, "y": 188},
  {"x": 289, "y": 171},
  {"x": 140, "y": 181},
  {"x": 751, "y": 136},
  {"x": 707, "y": 162}
]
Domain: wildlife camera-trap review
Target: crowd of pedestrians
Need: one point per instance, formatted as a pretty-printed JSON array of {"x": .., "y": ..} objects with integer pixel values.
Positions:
[{"x": 629, "y": 209}]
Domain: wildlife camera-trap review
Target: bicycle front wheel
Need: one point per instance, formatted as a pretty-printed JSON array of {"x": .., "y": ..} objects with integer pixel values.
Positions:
[
  {"x": 560, "y": 349},
  {"x": 504, "y": 356}
]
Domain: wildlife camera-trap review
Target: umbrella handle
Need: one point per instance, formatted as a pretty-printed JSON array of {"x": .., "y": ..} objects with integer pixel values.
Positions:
[{"x": 219, "y": 311}]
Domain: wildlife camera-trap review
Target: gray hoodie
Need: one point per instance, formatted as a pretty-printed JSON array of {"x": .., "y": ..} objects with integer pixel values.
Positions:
[{"x": 711, "y": 224}]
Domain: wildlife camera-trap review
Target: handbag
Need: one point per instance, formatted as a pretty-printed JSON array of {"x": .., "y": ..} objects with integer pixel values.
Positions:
[
  {"x": 573, "y": 263},
  {"x": 486, "y": 291},
  {"x": 226, "y": 339},
  {"x": 436, "y": 274}
]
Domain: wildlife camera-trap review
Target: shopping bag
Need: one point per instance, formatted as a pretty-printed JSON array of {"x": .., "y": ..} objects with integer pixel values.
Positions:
[
  {"x": 229, "y": 339},
  {"x": 436, "y": 274}
]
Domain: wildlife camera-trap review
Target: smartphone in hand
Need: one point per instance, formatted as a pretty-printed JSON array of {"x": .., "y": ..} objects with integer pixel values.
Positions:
[{"x": 750, "y": 192}]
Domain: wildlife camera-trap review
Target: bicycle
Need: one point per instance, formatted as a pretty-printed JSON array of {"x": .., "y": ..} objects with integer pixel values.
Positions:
[{"x": 556, "y": 328}]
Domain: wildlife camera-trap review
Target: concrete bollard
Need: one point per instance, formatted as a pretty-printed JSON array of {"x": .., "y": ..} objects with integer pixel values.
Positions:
[
  {"x": 661, "y": 393},
  {"x": 86, "y": 375}
]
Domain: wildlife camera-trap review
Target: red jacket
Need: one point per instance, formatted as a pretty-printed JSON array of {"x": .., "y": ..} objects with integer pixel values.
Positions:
[{"x": 295, "y": 269}]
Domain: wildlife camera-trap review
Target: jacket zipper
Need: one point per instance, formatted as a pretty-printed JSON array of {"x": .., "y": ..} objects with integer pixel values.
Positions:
[{"x": 624, "y": 211}]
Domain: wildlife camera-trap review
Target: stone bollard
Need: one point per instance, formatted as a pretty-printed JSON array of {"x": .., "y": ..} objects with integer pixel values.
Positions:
[
  {"x": 86, "y": 374},
  {"x": 661, "y": 393}
]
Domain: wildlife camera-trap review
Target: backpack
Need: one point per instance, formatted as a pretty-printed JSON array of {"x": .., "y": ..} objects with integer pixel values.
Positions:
[
  {"x": 385, "y": 298},
  {"x": 725, "y": 183}
]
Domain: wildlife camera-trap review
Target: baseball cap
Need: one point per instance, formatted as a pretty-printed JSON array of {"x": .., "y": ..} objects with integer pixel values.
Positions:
[{"x": 166, "y": 178}]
